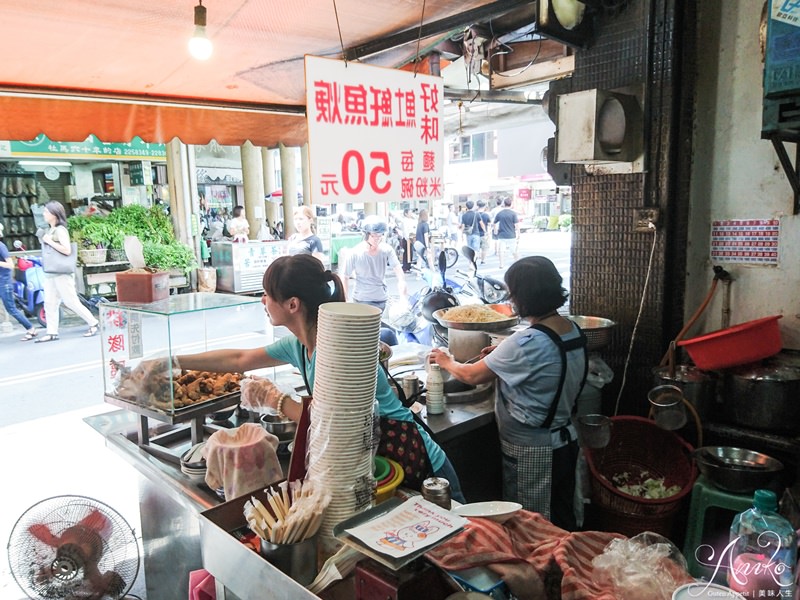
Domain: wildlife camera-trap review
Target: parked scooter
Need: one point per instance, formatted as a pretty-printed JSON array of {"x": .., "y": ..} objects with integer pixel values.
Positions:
[
  {"x": 416, "y": 323},
  {"x": 478, "y": 289},
  {"x": 29, "y": 288}
]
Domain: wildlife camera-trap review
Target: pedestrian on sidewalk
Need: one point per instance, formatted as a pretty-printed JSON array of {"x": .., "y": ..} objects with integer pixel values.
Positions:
[
  {"x": 492, "y": 214},
  {"x": 7, "y": 289},
  {"x": 506, "y": 228},
  {"x": 422, "y": 241},
  {"x": 367, "y": 262},
  {"x": 484, "y": 230},
  {"x": 470, "y": 227},
  {"x": 60, "y": 287}
]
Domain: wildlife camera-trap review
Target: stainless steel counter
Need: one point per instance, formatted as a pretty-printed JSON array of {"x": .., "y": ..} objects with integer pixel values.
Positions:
[{"x": 170, "y": 502}]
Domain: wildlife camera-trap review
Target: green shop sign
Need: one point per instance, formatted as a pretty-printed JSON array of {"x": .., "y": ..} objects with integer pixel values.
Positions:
[{"x": 91, "y": 147}]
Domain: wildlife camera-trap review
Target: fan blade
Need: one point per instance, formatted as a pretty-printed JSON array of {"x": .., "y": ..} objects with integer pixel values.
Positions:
[
  {"x": 109, "y": 584},
  {"x": 43, "y": 534},
  {"x": 99, "y": 522}
]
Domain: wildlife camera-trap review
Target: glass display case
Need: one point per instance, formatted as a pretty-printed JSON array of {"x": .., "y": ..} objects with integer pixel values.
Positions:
[{"x": 139, "y": 342}]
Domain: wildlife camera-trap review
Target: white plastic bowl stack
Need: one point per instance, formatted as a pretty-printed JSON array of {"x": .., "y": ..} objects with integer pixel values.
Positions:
[{"x": 340, "y": 435}]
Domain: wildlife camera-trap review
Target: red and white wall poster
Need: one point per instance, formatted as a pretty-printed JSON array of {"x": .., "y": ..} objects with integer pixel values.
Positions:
[
  {"x": 752, "y": 241},
  {"x": 374, "y": 134}
]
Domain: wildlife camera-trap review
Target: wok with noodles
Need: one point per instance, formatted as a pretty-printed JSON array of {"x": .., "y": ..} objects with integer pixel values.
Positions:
[
  {"x": 477, "y": 313},
  {"x": 477, "y": 317}
]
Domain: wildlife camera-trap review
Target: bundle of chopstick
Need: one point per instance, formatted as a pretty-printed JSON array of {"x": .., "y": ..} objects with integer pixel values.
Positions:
[{"x": 294, "y": 513}]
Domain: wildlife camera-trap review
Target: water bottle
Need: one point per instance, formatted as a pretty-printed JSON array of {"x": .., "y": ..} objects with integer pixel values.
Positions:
[
  {"x": 763, "y": 550},
  {"x": 434, "y": 391}
]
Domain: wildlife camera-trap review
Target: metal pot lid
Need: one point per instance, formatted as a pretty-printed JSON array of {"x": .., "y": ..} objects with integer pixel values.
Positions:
[{"x": 769, "y": 373}]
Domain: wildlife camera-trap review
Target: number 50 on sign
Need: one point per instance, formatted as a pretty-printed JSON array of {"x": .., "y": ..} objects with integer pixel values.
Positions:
[{"x": 375, "y": 134}]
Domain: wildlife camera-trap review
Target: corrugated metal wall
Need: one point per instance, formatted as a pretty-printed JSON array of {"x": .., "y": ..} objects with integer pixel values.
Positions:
[{"x": 648, "y": 43}]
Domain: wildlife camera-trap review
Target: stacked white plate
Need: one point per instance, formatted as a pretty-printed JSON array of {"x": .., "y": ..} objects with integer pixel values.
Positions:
[
  {"x": 193, "y": 463},
  {"x": 342, "y": 413}
]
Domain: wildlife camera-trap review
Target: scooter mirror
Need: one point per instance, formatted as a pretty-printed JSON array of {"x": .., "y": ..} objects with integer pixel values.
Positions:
[
  {"x": 469, "y": 253},
  {"x": 17, "y": 244}
]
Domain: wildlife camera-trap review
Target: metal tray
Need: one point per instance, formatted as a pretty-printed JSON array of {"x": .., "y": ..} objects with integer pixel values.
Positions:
[
  {"x": 505, "y": 309},
  {"x": 182, "y": 413}
]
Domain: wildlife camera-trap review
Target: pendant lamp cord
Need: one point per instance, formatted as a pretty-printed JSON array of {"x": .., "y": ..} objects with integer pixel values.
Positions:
[
  {"x": 339, "y": 29},
  {"x": 636, "y": 324},
  {"x": 419, "y": 38}
]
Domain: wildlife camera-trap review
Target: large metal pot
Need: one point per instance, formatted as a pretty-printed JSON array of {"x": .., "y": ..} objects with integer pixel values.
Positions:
[
  {"x": 765, "y": 398},
  {"x": 698, "y": 387},
  {"x": 737, "y": 470}
]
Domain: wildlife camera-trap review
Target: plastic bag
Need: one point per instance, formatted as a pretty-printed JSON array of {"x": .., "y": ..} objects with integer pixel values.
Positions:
[
  {"x": 645, "y": 566},
  {"x": 599, "y": 372}
]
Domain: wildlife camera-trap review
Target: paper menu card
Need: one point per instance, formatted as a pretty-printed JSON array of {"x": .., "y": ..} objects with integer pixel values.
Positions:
[{"x": 413, "y": 526}]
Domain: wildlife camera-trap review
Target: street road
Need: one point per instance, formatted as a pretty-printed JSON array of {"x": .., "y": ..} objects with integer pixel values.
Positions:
[{"x": 39, "y": 380}]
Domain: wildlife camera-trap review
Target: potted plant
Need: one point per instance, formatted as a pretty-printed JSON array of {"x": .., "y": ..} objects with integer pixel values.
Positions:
[
  {"x": 92, "y": 234},
  {"x": 540, "y": 223},
  {"x": 565, "y": 222}
]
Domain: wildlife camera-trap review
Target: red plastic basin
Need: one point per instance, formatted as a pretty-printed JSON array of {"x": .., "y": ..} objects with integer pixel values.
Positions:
[{"x": 738, "y": 345}]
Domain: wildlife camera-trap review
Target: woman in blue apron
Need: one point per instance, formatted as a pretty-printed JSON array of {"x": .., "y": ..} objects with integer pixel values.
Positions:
[{"x": 539, "y": 372}]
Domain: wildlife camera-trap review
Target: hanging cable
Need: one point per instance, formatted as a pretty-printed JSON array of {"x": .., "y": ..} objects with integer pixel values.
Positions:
[
  {"x": 636, "y": 324},
  {"x": 339, "y": 28},
  {"x": 419, "y": 38}
]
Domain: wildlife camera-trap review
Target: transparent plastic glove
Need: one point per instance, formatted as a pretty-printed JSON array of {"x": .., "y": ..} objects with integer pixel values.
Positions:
[{"x": 261, "y": 395}]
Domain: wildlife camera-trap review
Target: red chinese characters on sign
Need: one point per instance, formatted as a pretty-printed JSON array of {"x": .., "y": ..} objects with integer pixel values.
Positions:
[
  {"x": 359, "y": 175},
  {"x": 355, "y": 105},
  {"x": 374, "y": 134},
  {"x": 116, "y": 343}
]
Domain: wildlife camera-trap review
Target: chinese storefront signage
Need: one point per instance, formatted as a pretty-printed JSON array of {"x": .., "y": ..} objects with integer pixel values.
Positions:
[
  {"x": 375, "y": 134},
  {"x": 752, "y": 241},
  {"x": 140, "y": 172},
  {"x": 91, "y": 147}
]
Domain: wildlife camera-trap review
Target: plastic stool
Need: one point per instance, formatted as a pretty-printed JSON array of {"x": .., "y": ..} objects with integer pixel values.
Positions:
[{"x": 706, "y": 495}]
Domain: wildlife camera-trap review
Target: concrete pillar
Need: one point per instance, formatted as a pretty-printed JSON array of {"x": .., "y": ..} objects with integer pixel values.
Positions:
[
  {"x": 253, "y": 179},
  {"x": 289, "y": 187},
  {"x": 184, "y": 202},
  {"x": 306, "y": 171},
  {"x": 270, "y": 185}
]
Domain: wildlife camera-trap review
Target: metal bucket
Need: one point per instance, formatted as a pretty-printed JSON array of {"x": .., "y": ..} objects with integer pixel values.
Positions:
[
  {"x": 298, "y": 561},
  {"x": 698, "y": 387}
]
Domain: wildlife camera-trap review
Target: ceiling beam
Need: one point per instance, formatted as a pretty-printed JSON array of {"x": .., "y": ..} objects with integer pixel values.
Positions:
[
  {"x": 508, "y": 97},
  {"x": 443, "y": 26}
]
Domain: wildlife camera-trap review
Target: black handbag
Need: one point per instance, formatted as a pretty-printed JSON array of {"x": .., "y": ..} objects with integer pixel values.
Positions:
[{"x": 56, "y": 263}]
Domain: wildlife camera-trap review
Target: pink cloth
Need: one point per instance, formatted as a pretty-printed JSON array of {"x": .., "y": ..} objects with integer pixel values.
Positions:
[
  {"x": 201, "y": 585},
  {"x": 242, "y": 459}
]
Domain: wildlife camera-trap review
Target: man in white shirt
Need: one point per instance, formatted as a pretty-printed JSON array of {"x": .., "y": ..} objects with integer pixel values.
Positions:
[{"x": 367, "y": 263}]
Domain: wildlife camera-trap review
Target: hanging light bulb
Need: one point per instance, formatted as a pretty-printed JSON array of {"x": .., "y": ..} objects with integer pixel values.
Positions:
[{"x": 200, "y": 46}]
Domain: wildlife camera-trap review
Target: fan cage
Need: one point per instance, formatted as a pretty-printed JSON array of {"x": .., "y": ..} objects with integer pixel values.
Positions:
[{"x": 43, "y": 573}]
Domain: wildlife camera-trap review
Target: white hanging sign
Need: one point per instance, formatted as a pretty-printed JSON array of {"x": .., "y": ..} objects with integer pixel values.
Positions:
[{"x": 374, "y": 134}]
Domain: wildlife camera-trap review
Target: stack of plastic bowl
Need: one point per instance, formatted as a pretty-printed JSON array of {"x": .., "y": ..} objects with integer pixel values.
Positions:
[
  {"x": 387, "y": 486},
  {"x": 193, "y": 462},
  {"x": 340, "y": 438}
]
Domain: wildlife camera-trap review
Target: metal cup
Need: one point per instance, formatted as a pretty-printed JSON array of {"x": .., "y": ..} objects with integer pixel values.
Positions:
[
  {"x": 410, "y": 385},
  {"x": 594, "y": 431},
  {"x": 667, "y": 405}
]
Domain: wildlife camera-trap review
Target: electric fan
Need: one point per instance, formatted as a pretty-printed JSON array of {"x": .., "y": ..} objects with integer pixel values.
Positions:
[{"x": 73, "y": 547}]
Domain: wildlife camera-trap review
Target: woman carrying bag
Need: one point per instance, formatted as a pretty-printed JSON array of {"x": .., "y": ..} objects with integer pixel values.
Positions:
[{"x": 58, "y": 263}]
